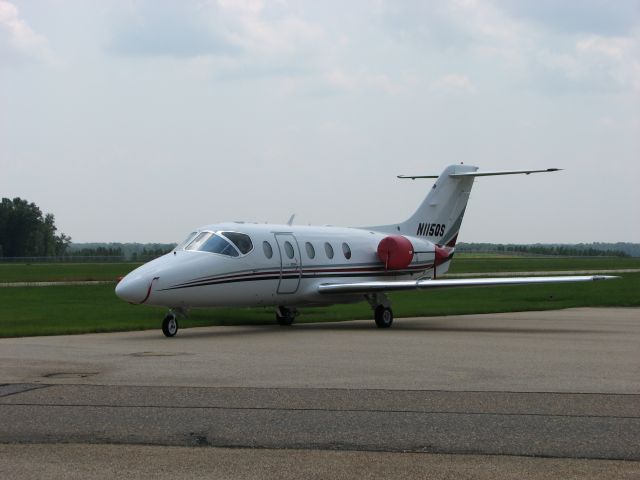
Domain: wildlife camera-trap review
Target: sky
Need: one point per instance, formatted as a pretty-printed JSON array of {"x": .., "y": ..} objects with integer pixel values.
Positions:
[{"x": 140, "y": 120}]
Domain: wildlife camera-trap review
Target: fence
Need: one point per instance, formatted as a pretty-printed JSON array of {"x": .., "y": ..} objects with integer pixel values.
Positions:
[{"x": 79, "y": 259}]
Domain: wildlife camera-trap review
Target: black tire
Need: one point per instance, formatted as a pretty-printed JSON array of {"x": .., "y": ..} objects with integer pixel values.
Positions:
[
  {"x": 383, "y": 317},
  {"x": 284, "y": 316},
  {"x": 170, "y": 325}
]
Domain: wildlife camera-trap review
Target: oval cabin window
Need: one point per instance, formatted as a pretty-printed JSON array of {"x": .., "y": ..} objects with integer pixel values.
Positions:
[
  {"x": 288, "y": 249},
  {"x": 268, "y": 251},
  {"x": 328, "y": 250},
  {"x": 311, "y": 252}
]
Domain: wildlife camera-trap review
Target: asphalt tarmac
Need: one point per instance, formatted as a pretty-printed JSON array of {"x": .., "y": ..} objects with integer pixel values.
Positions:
[{"x": 532, "y": 394}]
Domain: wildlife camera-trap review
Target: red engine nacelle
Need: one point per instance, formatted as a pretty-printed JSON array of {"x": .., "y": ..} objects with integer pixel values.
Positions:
[{"x": 395, "y": 251}]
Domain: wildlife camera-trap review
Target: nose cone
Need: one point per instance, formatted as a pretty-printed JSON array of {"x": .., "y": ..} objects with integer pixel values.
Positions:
[{"x": 134, "y": 288}]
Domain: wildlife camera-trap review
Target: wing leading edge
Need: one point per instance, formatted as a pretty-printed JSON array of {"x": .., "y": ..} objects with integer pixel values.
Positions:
[{"x": 381, "y": 286}]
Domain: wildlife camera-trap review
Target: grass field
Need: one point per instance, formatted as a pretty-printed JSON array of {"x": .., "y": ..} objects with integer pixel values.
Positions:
[
  {"x": 470, "y": 263},
  {"x": 95, "y": 308},
  {"x": 58, "y": 272}
]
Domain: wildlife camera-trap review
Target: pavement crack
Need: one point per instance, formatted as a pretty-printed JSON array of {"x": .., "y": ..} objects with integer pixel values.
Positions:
[
  {"x": 335, "y": 410},
  {"x": 10, "y": 389}
]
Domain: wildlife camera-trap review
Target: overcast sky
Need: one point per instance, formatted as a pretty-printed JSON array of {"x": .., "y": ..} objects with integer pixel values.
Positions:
[{"x": 139, "y": 120}]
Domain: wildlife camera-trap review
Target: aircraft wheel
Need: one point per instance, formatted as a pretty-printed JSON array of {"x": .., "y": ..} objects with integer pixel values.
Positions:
[
  {"x": 285, "y": 316},
  {"x": 383, "y": 316},
  {"x": 170, "y": 325}
]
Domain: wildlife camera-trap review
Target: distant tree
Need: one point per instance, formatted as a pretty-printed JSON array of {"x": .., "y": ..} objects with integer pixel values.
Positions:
[{"x": 25, "y": 232}]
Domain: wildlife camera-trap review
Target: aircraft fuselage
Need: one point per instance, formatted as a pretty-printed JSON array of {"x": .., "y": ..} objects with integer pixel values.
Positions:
[{"x": 284, "y": 267}]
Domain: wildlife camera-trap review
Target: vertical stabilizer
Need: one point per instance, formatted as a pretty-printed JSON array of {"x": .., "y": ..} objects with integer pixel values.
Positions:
[{"x": 439, "y": 216}]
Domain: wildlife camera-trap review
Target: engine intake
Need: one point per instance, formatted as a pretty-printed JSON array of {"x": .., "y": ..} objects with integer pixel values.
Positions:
[{"x": 396, "y": 252}]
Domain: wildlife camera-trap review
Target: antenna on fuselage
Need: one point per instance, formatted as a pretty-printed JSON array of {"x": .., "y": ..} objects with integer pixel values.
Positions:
[{"x": 290, "y": 222}]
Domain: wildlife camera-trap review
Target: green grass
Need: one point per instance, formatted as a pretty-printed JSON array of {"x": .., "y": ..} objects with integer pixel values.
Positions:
[
  {"x": 95, "y": 308},
  {"x": 57, "y": 272},
  {"x": 471, "y": 263}
]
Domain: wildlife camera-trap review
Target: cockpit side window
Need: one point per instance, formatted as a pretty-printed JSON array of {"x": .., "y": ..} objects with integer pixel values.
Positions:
[
  {"x": 240, "y": 240},
  {"x": 217, "y": 244},
  {"x": 210, "y": 242},
  {"x": 183, "y": 244}
]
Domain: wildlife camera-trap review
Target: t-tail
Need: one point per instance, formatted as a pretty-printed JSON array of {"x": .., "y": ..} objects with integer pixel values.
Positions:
[{"x": 439, "y": 216}]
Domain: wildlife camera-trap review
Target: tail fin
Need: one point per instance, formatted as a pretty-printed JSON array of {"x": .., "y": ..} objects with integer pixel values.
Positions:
[{"x": 439, "y": 216}]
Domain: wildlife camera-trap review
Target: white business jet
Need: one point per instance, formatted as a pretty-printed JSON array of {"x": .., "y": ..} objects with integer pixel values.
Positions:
[{"x": 290, "y": 266}]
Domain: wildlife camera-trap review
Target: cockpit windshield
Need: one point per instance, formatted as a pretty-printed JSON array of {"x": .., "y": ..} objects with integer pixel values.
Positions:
[
  {"x": 186, "y": 241},
  {"x": 210, "y": 242}
]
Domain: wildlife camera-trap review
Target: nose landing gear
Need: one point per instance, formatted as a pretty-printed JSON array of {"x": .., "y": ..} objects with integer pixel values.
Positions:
[{"x": 170, "y": 322}]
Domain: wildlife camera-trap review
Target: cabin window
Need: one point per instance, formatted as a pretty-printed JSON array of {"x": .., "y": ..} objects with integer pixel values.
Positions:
[
  {"x": 311, "y": 252},
  {"x": 210, "y": 242},
  {"x": 184, "y": 243},
  {"x": 288, "y": 249},
  {"x": 268, "y": 251},
  {"x": 240, "y": 240},
  {"x": 346, "y": 250},
  {"x": 328, "y": 249}
]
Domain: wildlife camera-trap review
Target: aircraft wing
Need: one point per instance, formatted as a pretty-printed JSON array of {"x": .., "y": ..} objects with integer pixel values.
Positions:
[{"x": 388, "y": 286}]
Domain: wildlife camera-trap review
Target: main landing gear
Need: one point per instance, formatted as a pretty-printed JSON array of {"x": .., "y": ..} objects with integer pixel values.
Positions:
[
  {"x": 285, "y": 316},
  {"x": 382, "y": 313}
]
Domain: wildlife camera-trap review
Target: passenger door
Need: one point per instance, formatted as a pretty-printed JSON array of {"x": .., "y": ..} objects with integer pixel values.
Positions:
[{"x": 290, "y": 264}]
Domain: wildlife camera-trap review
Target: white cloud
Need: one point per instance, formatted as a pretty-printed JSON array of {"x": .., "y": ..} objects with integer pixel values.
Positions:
[
  {"x": 342, "y": 80},
  {"x": 222, "y": 28},
  {"x": 454, "y": 83},
  {"x": 243, "y": 6},
  {"x": 481, "y": 19},
  {"x": 286, "y": 36},
  {"x": 613, "y": 47},
  {"x": 17, "y": 40},
  {"x": 616, "y": 58},
  {"x": 523, "y": 44},
  {"x": 229, "y": 39}
]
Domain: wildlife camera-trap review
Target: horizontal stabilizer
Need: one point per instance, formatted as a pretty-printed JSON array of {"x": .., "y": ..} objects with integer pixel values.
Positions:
[
  {"x": 413, "y": 177},
  {"x": 382, "y": 286},
  {"x": 501, "y": 172},
  {"x": 483, "y": 174}
]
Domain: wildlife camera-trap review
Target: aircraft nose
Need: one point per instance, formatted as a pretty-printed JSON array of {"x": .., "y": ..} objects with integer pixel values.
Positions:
[{"x": 134, "y": 289}]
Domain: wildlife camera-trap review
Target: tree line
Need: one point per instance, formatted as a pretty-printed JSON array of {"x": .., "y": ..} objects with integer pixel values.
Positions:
[
  {"x": 26, "y": 232},
  {"x": 579, "y": 250},
  {"x": 121, "y": 251}
]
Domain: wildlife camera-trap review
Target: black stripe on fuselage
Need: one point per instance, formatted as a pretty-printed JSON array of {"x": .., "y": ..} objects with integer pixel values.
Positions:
[
  {"x": 292, "y": 275},
  {"x": 370, "y": 268}
]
